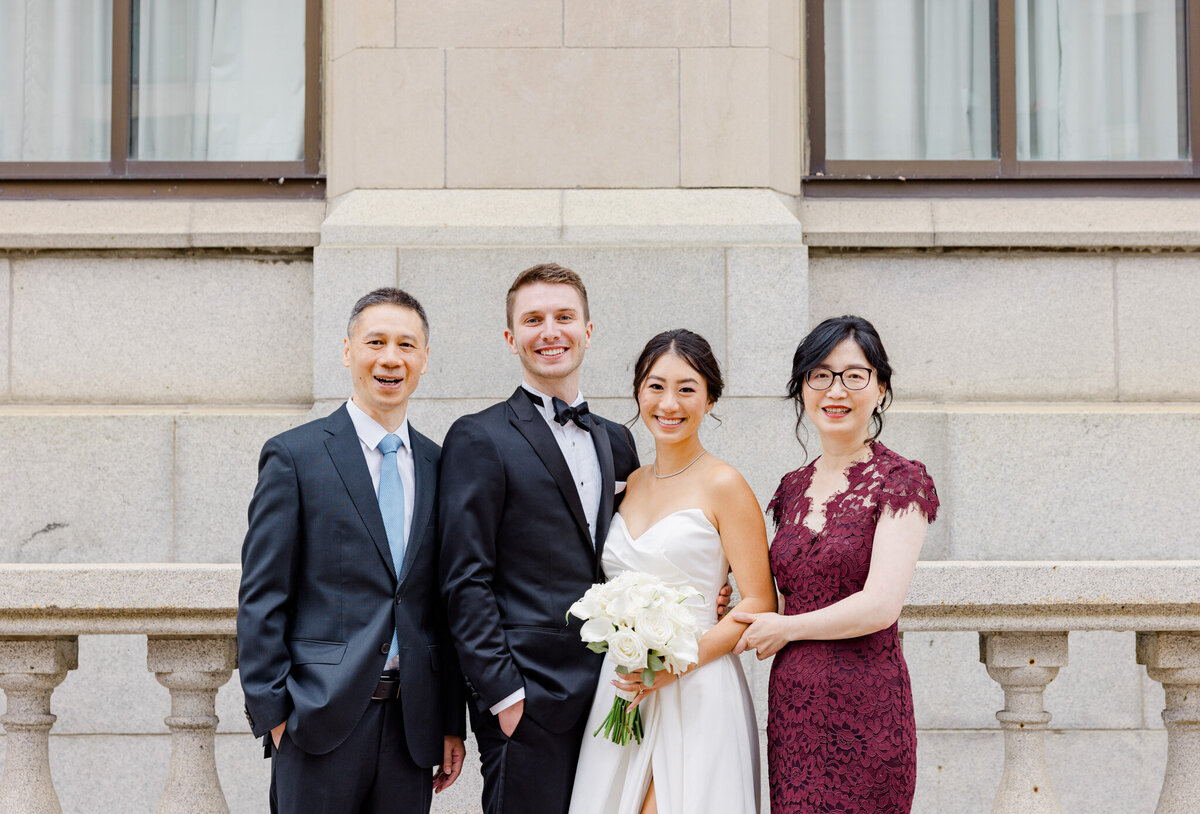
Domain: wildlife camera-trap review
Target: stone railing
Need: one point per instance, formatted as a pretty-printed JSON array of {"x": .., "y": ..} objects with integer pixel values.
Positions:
[
  {"x": 1022, "y": 611},
  {"x": 186, "y": 612}
]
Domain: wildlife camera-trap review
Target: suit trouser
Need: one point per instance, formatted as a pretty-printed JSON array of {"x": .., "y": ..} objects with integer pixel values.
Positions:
[
  {"x": 532, "y": 771},
  {"x": 371, "y": 771}
]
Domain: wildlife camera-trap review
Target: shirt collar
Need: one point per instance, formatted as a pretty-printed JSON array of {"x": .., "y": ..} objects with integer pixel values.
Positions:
[
  {"x": 547, "y": 408},
  {"x": 368, "y": 429}
]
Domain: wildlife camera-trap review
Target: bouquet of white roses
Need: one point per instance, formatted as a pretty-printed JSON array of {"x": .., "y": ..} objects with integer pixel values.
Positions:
[{"x": 644, "y": 626}]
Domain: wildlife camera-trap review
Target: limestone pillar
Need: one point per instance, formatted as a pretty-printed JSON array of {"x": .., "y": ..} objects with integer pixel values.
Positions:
[
  {"x": 1024, "y": 664},
  {"x": 193, "y": 670},
  {"x": 30, "y": 669},
  {"x": 1173, "y": 660}
]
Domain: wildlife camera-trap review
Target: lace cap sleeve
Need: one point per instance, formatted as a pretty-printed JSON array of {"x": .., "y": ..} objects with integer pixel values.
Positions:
[
  {"x": 773, "y": 507},
  {"x": 783, "y": 496},
  {"x": 907, "y": 485}
]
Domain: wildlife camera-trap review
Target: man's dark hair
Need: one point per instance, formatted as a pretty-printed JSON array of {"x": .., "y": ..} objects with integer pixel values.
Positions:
[{"x": 388, "y": 296}]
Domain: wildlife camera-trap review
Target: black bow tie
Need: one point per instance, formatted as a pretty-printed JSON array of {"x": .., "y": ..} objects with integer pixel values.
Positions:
[{"x": 564, "y": 413}]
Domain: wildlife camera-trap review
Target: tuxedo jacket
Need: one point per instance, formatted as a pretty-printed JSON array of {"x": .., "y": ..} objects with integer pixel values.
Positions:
[
  {"x": 320, "y": 596},
  {"x": 516, "y": 553}
]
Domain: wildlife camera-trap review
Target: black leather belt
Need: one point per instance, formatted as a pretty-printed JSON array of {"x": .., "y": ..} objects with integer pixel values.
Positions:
[{"x": 387, "y": 688}]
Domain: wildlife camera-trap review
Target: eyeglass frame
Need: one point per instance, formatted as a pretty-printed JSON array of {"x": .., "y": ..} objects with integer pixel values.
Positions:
[{"x": 837, "y": 374}]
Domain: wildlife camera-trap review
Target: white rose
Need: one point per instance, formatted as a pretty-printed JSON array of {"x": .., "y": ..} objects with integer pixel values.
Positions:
[
  {"x": 681, "y": 616},
  {"x": 627, "y": 649},
  {"x": 622, "y": 607},
  {"x": 619, "y": 582},
  {"x": 639, "y": 578},
  {"x": 654, "y": 626},
  {"x": 596, "y": 629},
  {"x": 642, "y": 596}
]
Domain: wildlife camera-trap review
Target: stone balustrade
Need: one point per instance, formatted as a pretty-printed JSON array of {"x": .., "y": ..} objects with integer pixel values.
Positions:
[
  {"x": 1021, "y": 610},
  {"x": 186, "y": 612}
]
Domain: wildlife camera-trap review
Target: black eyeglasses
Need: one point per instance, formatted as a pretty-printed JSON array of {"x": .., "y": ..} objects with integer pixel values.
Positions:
[{"x": 853, "y": 378}]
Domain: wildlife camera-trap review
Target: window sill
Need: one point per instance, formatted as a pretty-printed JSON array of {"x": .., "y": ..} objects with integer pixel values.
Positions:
[
  {"x": 1027, "y": 223},
  {"x": 112, "y": 224}
]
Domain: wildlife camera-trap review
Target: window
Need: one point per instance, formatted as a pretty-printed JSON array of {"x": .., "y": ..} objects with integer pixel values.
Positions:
[
  {"x": 1003, "y": 89},
  {"x": 127, "y": 90}
]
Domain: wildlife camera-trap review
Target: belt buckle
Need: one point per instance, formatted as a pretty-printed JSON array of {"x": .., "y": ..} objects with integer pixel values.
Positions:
[{"x": 387, "y": 688}]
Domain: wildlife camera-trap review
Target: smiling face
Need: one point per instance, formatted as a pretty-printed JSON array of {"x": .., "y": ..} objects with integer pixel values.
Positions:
[
  {"x": 838, "y": 412},
  {"x": 549, "y": 334},
  {"x": 673, "y": 399},
  {"x": 386, "y": 354}
]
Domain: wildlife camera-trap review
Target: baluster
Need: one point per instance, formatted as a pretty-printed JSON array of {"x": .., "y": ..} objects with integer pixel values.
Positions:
[
  {"x": 30, "y": 669},
  {"x": 1023, "y": 664},
  {"x": 1173, "y": 660},
  {"x": 193, "y": 670}
]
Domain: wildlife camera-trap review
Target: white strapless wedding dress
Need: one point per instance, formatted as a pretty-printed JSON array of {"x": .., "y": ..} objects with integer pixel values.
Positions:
[{"x": 701, "y": 739}]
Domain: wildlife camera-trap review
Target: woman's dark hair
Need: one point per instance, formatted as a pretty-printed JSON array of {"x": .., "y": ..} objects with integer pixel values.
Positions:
[
  {"x": 819, "y": 343},
  {"x": 688, "y": 346}
]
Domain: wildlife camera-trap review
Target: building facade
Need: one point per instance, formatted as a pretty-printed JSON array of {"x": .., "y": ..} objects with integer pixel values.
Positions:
[{"x": 743, "y": 168}]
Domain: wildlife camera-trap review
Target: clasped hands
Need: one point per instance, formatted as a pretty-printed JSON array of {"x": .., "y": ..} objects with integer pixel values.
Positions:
[{"x": 767, "y": 633}]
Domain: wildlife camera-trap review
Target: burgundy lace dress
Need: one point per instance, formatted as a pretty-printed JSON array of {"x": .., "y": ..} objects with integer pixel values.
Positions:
[{"x": 841, "y": 736}]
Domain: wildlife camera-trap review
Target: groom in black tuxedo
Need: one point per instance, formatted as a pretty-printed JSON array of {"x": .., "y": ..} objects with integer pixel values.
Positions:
[
  {"x": 528, "y": 488},
  {"x": 343, "y": 649}
]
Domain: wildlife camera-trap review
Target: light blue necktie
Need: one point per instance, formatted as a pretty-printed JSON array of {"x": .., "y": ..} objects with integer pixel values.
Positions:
[{"x": 391, "y": 506}]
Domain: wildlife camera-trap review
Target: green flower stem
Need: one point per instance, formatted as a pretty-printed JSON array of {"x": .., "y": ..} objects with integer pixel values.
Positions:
[{"x": 621, "y": 725}]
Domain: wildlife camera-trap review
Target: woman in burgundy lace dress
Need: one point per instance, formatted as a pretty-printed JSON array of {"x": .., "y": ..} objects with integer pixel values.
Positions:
[{"x": 849, "y": 528}]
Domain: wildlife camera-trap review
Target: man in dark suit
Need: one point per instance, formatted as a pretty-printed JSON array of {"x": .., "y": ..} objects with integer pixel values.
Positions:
[
  {"x": 343, "y": 649},
  {"x": 528, "y": 488}
]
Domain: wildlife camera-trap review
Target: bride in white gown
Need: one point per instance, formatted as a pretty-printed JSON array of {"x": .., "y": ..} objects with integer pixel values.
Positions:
[{"x": 686, "y": 519}]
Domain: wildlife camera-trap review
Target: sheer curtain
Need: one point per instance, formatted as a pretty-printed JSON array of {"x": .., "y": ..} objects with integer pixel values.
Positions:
[
  {"x": 55, "y": 80},
  {"x": 214, "y": 80},
  {"x": 1095, "y": 79},
  {"x": 908, "y": 79},
  {"x": 219, "y": 80},
  {"x": 1100, "y": 80}
]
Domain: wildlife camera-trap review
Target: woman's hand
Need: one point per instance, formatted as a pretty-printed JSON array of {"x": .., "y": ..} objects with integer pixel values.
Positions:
[
  {"x": 768, "y": 633},
  {"x": 632, "y": 683}
]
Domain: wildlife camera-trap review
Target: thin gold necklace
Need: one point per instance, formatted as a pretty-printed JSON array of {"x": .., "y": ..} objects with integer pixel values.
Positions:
[{"x": 654, "y": 466}]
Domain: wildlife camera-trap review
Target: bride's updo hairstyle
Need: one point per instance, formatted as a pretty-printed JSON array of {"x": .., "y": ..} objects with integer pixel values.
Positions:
[
  {"x": 688, "y": 346},
  {"x": 819, "y": 343}
]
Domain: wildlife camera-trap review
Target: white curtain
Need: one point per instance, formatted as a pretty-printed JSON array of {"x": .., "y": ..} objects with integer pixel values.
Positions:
[
  {"x": 220, "y": 80},
  {"x": 1096, "y": 80},
  {"x": 908, "y": 79},
  {"x": 216, "y": 80},
  {"x": 1100, "y": 80},
  {"x": 55, "y": 86}
]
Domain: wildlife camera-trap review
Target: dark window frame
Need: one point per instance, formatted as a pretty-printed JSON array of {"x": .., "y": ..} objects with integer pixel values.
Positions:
[
  {"x": 1023, "y": 176},
  {"x": 122, "y": 176}
]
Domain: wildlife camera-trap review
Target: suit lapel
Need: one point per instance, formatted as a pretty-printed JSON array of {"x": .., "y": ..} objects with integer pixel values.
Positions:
[
  {"x": 607, "y": 481},
  {"x": 346, "y": 452},
  {"x": 425, "y": 471},
  {"x": 530, "y": 424}
]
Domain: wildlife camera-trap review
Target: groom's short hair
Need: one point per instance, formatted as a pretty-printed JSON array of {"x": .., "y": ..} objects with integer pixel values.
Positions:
[{"x": 546, "y": 273}]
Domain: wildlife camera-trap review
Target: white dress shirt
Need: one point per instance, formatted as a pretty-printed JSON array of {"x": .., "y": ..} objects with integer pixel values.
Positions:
[
  {"x": 369, "y": 435},
  {"x": 580, "y": 453}
]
